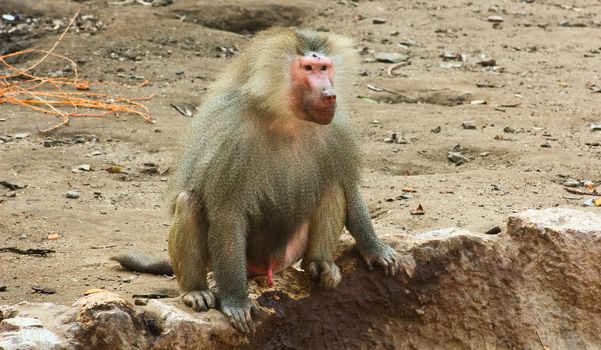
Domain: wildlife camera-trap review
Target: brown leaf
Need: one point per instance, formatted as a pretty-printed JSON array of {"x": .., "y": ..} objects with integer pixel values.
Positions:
[{"x": 418, "y": 211}]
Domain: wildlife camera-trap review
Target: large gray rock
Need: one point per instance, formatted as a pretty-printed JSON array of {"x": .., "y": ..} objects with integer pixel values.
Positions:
[{"x": 536, "y": 284}]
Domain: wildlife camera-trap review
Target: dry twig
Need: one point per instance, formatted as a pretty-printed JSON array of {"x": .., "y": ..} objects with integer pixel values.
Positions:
[{"x": 46, "y": 94}]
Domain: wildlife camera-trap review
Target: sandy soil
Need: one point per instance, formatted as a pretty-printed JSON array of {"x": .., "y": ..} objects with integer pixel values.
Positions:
[{"x": 538, "y": 88}]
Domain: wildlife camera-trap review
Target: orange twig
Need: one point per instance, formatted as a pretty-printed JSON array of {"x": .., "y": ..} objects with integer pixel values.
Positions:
[{"x": 23, "y": 88}]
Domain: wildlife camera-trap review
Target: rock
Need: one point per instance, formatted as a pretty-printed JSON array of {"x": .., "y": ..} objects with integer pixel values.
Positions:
[
  {"x": 454, "y": 289},
  {"x": 18, "y": 333},
  {"x": 378, "y": 21},
  {"x": 21, "y": 136},
  {"x": 571, "y": 183},
  {"x": 495, "y": 19},
  {"x": 457, "y": 158},
  {"x": 391, "y": 57},
  {"x": 468, "y": 125},
  {"x": 180, "y": 329},
  {"x": 73, "y": 194}
]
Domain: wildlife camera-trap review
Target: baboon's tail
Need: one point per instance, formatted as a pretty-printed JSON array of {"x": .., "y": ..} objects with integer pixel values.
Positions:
[{"x": 144, "y": 263}]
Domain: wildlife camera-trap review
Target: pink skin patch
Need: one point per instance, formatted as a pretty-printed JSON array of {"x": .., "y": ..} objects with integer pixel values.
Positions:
[
  {"x": 294, "y": 252},
  {"x": 313, "y": 88}
]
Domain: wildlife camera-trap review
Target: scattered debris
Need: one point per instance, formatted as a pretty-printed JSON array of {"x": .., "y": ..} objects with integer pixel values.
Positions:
[
  {"x": 115, "y": 169},
  {"x": 436, "y": 130},
  {"x": 30, "y": 251},
  {"x": 12, "y": 186},
  {"x": 478, "y": 102},
  {"x": 152, "y": 296},
  {"x": 185, "y": 109},
  {"x": 81, "y": 168},
  {"x": 94, "y": 291},
  {"x": 103, "y": 246},
  {"x": 595, "y": 127},
  {"x": 391, "y": 57}
]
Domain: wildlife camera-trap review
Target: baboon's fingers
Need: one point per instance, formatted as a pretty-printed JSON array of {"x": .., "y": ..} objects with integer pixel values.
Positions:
[{"x": 199, "y": 300}]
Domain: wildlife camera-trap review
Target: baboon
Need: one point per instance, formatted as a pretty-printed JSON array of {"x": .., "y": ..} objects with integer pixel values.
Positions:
[{"x": 269, "y": 175}]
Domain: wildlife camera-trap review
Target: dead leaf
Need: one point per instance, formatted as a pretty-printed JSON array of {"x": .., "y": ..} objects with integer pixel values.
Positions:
[
  {"x": 83, "y": 86},
  {"x": 53, "y": 236},
  {"x": 418, "y": 211},
  {"x": 94, "y": 291},
  {"x": 115, "y": 169}
]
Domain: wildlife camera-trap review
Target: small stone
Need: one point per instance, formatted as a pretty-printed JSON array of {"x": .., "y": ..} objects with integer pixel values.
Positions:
[
  {"x": 378, "y": 21},
  {"x": 436, "y": 130},
  {"x": 571, "y": 183},
  {"x": 495, "y": 19},
  {"x": 478, "y": 102},
  {"x": 3, "y": 288},
  {"x": 392, "y": 139},
  {"x": 81, "y": 167},
  {"x": 21, "y": 136},
  {"x": 43, "y": 290},
  {"x": 457, "y": 158},
  {"x": 595, "y": 127},
  {"x": 73, "y": 194},
  {"x": 468, "y": 125},
  {"x": 488, "y": 62},
  {"x": 509, "y": 130},
  {"x": 546, "y": 145},
  {"x": 391, "y": 57},
  {"x": 179, "y": 71},
  {"x": 141, "y": 302}
]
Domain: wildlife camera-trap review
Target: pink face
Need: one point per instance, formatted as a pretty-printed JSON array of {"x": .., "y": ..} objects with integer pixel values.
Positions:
[{"x": 313, "y": 88}]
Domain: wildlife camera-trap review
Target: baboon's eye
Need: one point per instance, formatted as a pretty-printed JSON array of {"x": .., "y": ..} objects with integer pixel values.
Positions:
[
  {"x": 323, "y": 68},
  {"x": 308, "y": 67}
]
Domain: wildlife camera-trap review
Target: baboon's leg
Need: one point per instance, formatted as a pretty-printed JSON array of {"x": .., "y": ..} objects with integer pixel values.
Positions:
[
  {"x": 188, "y": 253},
  {"x": 326, "y": 225}
]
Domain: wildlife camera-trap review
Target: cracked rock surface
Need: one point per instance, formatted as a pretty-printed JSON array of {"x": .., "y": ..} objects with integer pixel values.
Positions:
[{"x": 535, "y": 284}]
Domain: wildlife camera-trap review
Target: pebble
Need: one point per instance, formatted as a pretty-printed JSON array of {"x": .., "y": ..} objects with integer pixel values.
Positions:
[
  {"x": 378, "y": 21},
  {"x": 3, "y": 288},
  {"x": 457, "y": 158},
  {"x": 21, "y": 136},
  {"x": 44, "y": 290},
  {"x": 468, "y": 125},
  {"x": 73, "y": 194},
  {"x": 571, "y": 183},
  {"x": 595, "y": 127},
  {"x": 509, "y": 130},
  {"x": 495, "y": 19}
]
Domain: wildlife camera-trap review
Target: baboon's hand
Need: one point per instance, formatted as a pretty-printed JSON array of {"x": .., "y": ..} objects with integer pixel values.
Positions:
[
  {"x": 238, "y": 312},
  {"x": 381, "y": 255}
]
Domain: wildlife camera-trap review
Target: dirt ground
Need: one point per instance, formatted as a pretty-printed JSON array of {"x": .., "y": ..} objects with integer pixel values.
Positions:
[{"x": 531, "y": 135}]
